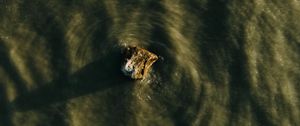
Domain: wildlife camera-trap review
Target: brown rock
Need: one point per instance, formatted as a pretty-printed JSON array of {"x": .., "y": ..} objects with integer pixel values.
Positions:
[{"x": 138, "y": 61}]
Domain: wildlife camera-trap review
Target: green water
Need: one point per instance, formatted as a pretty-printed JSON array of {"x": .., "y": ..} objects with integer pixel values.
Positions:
[{"x": 222, "y": 63}]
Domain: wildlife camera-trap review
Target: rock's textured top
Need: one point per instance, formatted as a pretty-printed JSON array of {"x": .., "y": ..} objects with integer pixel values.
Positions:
[{"x": 138, "y": 61}]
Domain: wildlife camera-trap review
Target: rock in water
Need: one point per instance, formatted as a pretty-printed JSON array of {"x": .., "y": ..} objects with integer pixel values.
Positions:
[{"x": 138, "y": 61}]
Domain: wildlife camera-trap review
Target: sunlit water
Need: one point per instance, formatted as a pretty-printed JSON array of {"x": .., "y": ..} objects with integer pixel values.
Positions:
[{"x": 221, "y": 63}]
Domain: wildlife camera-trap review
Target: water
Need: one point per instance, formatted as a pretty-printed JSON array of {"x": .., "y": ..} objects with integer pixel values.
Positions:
[{"x": 221, "y": 63}]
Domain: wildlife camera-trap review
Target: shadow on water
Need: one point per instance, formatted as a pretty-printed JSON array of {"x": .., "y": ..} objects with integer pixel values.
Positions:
[
  {"x": 44, "y": 22},
  {"x": 9, "y": 69},
  {"x": 99, "y": 75},
  {"x": 180, "y": 98},
  {"x": 5, "y": 116},
  {"x": 50, "y": 25},
  {"x": 46, "y": 25},
  {"x": 214, "y": 41}
]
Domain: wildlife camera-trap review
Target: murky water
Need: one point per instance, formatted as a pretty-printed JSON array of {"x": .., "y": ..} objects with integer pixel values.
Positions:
[{"x": 221, "y": 63}]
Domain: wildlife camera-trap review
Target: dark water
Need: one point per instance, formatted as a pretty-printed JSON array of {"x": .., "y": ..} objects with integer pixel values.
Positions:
[{"x": 222, "y": 63}]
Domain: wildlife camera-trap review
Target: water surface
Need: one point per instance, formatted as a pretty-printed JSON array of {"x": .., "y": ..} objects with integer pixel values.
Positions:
[{"x": 221, "y": 63}]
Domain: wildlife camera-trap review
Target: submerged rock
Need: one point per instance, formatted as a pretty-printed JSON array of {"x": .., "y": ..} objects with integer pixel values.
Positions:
[{"x": 138, "y": 61}]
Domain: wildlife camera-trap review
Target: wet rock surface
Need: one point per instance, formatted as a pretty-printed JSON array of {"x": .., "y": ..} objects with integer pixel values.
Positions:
[{"x": 138, "y": 62}]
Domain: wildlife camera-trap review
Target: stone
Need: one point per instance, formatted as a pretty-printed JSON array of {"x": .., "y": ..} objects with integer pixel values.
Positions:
[{"x": 138, "y": 62}]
